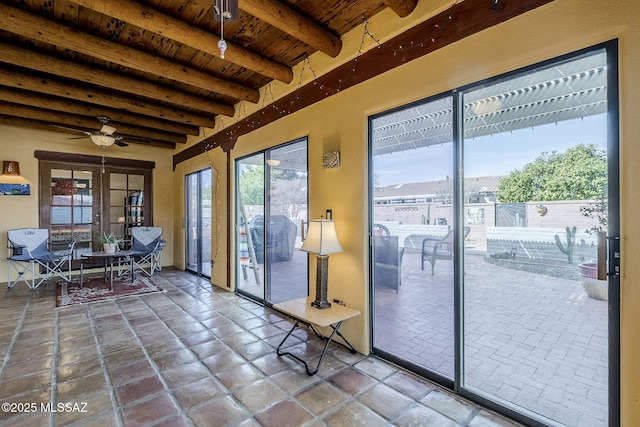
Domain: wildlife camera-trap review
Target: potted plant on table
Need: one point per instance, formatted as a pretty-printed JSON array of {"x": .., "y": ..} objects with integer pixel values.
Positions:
[{"x": 109, "y": 242}]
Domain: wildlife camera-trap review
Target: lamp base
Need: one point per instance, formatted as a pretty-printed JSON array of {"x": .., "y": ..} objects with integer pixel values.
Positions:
[
  {"x": 322, "y": 272},
  {"x": 320, "y": 304}
]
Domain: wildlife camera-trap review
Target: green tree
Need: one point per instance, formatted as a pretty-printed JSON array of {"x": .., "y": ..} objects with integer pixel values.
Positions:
[
  {"x": 252, "y": 185},
  {"x": 580, "y": 173}
]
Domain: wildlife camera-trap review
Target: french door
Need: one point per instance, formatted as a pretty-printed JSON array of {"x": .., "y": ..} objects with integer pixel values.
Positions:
[
  {"x": 271, "y": 204},
  {"x": 81, "y": 197},
  {"x": 498, "y": 200},
  {"x": 199, "y": 195}
]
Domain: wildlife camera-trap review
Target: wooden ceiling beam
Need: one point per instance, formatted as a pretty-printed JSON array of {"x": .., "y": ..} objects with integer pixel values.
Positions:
[
  {"x": 68, "y": 106},
  {"x": 86, "y": 123},
  {"x": 56, "y": 87},
  {"x": 44, "y": 30},
  {"x": 402, "y": 8},
  {"x": 160, "y": 23},
  {"x": 454, "y": 24},
  {"x": 47, "y": 126},
  {"x": 287, "y": 20},
  {"x": 32, "y": 59}
]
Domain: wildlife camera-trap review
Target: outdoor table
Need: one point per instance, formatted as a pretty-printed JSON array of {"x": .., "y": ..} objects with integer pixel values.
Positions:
[{"x": 107, "y": 259}]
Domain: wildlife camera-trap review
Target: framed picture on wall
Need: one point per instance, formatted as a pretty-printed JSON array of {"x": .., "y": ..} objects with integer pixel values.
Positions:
[{"x": 15, "y": 189}]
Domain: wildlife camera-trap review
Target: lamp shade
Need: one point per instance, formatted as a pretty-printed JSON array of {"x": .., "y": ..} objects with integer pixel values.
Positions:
[
  {"x": 10, "y": 168},
  {"x": 11, "y": 173},
  {"x": 321, "y": 238}
]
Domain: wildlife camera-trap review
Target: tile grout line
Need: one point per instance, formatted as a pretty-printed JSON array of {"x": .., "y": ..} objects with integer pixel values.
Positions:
[
  {"x": 230, "y": 393},
  {"x": 14, "y": 337},
  {"x": 105, "y": 369},
  {"x": 169, "y": 389},
  {"x": 351, "y": 398},
  {"x": 212, "y": 375},
  {"x": 291, "y": 395},
  {"x": 54, "y": 366}
]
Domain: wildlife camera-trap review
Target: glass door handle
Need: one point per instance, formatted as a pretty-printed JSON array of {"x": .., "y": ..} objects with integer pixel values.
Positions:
[{"x": 614, "y": 256}]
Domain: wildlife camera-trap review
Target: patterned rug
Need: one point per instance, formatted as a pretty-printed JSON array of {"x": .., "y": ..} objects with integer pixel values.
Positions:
[{"x": 95, "y": 288}]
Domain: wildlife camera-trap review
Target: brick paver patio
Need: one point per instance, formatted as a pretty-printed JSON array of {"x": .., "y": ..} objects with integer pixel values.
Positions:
[{"x": 530, "y": 339}]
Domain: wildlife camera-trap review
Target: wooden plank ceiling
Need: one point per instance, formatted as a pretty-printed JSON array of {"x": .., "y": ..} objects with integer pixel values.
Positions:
[{"x": 152, "y": 66}]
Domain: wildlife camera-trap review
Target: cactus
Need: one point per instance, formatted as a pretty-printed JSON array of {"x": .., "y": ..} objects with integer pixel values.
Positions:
[{"x": 571, "y": 242}]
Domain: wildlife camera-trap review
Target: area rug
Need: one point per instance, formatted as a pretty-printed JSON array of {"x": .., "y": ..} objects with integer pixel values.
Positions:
[{"x": 95, "y": 288}]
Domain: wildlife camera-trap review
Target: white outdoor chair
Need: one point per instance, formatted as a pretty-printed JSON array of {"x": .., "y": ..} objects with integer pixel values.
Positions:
[
  {"x": 147, "y": 245},
  {"x": 29, "y": 252}
]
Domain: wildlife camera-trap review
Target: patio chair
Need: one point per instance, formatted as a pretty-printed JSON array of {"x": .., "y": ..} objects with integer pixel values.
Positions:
[
  {"x": 387, "y": 258},
  {"x": 29, "y": 252},
  {"x": 434, "y": 248},
  {"x": 146, "y": 248}
]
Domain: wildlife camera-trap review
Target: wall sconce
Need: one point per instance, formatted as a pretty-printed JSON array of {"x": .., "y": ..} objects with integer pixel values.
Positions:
[
  {"x": 331, "y": 159},
  {"x": 321, "y": 240},
  {"x": 11, "y": 173}
]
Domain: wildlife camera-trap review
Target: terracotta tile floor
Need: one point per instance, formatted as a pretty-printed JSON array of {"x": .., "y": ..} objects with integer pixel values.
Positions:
[{"x": 195, "y": 356}]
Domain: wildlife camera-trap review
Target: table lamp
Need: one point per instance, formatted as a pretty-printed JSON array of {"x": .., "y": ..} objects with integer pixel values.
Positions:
[{"x": 322, "y": 241}]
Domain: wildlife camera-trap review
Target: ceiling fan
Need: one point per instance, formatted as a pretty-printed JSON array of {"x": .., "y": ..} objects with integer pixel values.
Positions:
[{"x": 105, "y": 137}]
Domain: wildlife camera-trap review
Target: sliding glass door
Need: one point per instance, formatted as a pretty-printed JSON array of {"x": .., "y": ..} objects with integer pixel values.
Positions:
[
  {"x": 535, "y": 333},
  {"x": 271, "y": 205},
  {"x": 494, "y": 225},
  {"x": 199, "y": 193},
  {"x": 413, "y": 215}
]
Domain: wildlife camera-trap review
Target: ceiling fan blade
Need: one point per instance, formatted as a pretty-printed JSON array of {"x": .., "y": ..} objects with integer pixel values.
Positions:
[
  {"x": 121, "y": 143},
  {"x": 80, "y": 137},
  {"x": 73, "y": 130},
  {"x": 107, "y": 130}
]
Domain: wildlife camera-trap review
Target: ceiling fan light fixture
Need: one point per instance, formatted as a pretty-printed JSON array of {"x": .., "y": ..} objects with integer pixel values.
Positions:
[{"x": 103, "y": 140}]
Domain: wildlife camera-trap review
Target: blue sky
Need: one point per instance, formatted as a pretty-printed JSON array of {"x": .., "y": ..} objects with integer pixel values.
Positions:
[{"x": 497, "y": 154}]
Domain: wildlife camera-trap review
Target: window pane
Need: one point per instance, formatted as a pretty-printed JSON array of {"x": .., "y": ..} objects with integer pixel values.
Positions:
[{"x": 118, "y": 181}]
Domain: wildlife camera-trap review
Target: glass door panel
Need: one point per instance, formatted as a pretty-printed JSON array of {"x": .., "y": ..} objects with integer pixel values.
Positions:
[
  {"x": 74, "y": 211},
  {"x": 271, "y": 206},
  {"x": 249, "y": 225},
  {"x": 286, "y": 209},
  {"x": 536, "y": 340},
  {"x": 413, "y": 223},
  {"x": 126, "y": 203},
  {"x": 198, "y": 190},
  {"x": 192, "y": 224}
]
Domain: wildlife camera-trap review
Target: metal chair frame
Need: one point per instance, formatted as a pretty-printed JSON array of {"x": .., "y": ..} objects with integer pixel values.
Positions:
[
  {"x": 149, "y": 259},
  {"x": 28, "y": 251},
  {"x": 439, "y": 248}
]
